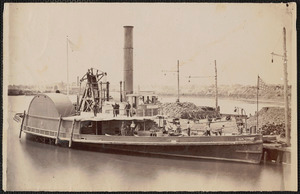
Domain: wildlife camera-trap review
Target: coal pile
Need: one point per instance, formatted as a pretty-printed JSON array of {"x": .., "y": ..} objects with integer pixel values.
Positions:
[
  {"x": 272, "y": 129},
  {"x": 186, "y": 110},
  {"x": 271, "y": 121}
]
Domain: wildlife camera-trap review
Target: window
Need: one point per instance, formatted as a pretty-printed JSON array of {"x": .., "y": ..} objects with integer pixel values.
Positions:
[{"x": 88, "y": 127}]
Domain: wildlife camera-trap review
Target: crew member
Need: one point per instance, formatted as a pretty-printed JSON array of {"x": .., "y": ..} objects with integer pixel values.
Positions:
[
  {"x": 114, "y": 109},
  {"x": 207, "y": 129},
  {"x": 188, "y": 128},
  {"x": 132, "y": 126},
  {"x": 117, "y": 106},
  {"x": 127, "y": 108},
  {"x": 221, "y": 130}
]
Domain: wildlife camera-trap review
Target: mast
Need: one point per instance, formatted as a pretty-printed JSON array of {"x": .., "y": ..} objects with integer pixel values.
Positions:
[
  {"x": 67, "y": 66},
  {"x": 285, "y": 88},
  {"x": 288, "y": 140},
  {"x": 121, "y": 98},
  {"x": 257, "y": 102},
  {"x": 178, "y": 92},
  {"x": 177, "y": 81},
  {"x": 216, "y": 85}
]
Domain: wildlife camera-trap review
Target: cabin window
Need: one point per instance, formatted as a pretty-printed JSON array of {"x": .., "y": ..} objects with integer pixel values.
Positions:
[
  {"x": 111, "y": 127},
  {"x": 88, "y": 127}
]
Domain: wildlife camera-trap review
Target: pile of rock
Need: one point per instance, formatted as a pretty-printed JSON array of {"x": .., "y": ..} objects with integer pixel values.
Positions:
[
  {"x": 186, "y": 110},
  {"x": 273, "y": 129},
  {"x": 271, "y": 120}
]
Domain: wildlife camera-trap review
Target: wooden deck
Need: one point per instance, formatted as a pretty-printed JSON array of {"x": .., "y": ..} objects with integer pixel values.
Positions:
[{"x": 276, "y": 153}]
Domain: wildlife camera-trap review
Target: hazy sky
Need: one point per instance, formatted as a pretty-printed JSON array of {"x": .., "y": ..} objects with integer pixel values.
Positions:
[{"x": 239, "y": 36}]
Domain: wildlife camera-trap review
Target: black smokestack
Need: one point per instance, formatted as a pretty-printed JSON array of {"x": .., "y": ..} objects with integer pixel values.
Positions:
[{"x": 128, "y": 60}]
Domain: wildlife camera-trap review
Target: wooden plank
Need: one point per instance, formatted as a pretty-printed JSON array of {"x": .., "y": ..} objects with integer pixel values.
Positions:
[
  {"x": 249, "y": 151},
  {"x": 71, "y": 135},
  {"x": 171, "y": 142},
  {"x": 39, "y": 134},
  {"x": 21, "y": 129},
  {"x": 58, "y": 130},
  {"x": 269, "y": 138},
  {"x": 233, "y": 115}
]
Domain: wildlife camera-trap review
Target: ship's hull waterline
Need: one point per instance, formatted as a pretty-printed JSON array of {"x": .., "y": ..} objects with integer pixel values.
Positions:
[{"x": 246, "y": 149}]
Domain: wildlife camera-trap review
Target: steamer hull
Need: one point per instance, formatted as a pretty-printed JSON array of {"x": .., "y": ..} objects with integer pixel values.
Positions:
[
  {"x": 227, "y": 148},
  {"x": 215, "y": 148}
]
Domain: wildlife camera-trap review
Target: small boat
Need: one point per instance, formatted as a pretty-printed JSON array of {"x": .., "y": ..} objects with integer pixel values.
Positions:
[{"x": 54, "y": 116}]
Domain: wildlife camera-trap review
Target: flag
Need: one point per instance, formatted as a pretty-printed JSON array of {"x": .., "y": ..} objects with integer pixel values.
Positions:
[
  {"x": 74, "y": 47},
  {"x": 262, "y": 85}
]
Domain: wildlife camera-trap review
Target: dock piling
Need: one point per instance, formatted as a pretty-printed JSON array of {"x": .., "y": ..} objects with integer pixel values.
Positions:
[
  {"x": 58, "y": 130},
  {"x": 21, "y": 129},
  {"x": 265, "y": 156},
  {"x": 71, "y": 135}
]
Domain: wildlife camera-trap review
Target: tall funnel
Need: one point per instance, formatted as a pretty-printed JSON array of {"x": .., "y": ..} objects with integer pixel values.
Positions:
[{"x": 128, "y": 60}]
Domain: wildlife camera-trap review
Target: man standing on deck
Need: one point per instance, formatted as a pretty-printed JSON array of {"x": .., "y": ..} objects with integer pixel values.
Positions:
[
  {"x": 221, "y": 130},
  {"x": 207, "y": 129},
  {"x": 188, "y": 128},
  {"x": 117, "y": 107},
  {"x": 127, "y": 108},
  {"x": 114, "y": 108}
]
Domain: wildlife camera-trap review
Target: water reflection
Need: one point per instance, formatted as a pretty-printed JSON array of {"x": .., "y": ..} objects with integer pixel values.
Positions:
[{"x": 49, "y": 167}]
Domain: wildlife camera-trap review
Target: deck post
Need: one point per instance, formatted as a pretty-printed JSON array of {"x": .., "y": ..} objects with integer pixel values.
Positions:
[
  {"x": 265, "y": 156},
  {"x": 71, "y": 135},
  {"x": 279, "y": 157},
  {"x": 21, "y": 129},
  {"x": 58, "y": 130},
  {"x": 96, "y": 128}
]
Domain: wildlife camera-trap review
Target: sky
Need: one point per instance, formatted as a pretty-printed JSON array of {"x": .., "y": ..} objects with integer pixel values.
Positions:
[{"x": 240, "y": 37}]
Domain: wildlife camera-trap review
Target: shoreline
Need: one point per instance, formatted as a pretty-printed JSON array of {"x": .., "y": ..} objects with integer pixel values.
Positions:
[
  {"x": 271, "y": 101},
  {"x": 249, "y": 100}
]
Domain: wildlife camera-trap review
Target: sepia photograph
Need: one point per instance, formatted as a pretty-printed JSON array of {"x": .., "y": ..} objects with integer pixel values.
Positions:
[{"x": 149, "y": 97}]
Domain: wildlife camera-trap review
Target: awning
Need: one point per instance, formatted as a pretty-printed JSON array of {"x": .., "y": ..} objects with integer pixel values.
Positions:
[{"x": 107, "y": 118}]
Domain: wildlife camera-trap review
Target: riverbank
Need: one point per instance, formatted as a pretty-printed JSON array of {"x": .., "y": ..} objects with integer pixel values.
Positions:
[
  {"x": 271, "y": 93},
  {"x": 248, "y": 100}
]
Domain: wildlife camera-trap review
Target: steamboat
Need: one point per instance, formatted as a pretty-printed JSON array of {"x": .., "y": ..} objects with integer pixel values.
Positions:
[{"x": 132, "y": 125}]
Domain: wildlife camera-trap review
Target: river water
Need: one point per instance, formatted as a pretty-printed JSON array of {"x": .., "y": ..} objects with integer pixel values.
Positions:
[{"x": 44, "y": 167}]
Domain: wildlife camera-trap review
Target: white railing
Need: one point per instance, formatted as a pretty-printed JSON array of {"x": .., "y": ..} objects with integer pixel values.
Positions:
[{"x": 136, "y": 112}]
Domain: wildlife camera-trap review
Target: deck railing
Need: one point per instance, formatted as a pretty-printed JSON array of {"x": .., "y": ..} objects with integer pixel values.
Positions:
[{"x": 136, "y": 112}]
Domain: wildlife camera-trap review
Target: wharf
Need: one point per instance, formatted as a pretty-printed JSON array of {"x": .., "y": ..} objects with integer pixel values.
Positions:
[{"x": 274, "y": 151}]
